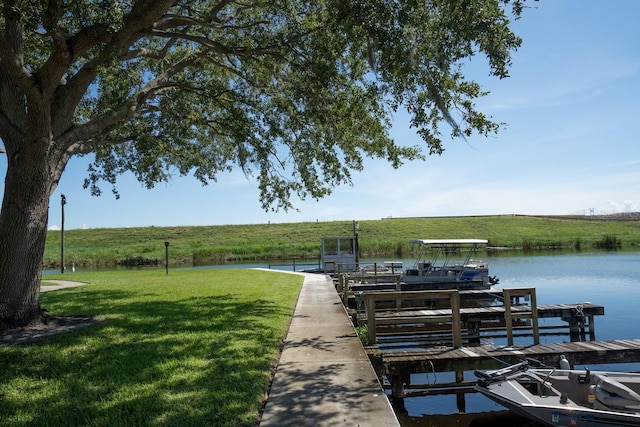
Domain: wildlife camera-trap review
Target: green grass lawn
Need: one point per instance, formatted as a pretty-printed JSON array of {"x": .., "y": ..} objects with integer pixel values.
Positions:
[{"x": 192, "y": 348}]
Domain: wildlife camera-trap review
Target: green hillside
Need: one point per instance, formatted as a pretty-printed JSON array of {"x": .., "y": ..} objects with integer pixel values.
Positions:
[{"x": 384, "y": 237}]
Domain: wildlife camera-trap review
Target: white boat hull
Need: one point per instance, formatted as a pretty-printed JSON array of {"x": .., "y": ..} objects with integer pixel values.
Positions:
[{"x": 568, "y": 397}]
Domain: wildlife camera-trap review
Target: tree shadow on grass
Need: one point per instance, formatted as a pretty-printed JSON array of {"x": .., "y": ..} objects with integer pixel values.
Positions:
[{"x": 195, "y": 361}]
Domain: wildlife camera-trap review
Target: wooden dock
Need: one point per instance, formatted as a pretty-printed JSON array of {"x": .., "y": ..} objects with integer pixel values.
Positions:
[
  {"x": 448, "y": 359},
  {"x": 410, "y": 325},
  {"x": 413, "y": 332},
  {"x": 398, "y": 366},
  {"x": 422, "y": 327}
]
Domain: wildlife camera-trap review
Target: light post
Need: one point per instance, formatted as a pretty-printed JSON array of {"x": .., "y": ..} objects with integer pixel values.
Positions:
[
  {"x": 166, "y": 256},
  {"x": 63, "y": 202},
  {"x": 356, "y": 243}
]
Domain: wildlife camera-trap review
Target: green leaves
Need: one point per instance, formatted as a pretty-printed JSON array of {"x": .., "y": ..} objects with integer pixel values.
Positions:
[{"x": 297, "y": 94}]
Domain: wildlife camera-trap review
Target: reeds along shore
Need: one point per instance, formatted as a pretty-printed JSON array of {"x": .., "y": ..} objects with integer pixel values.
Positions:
[{"x": 203, "y": 245}]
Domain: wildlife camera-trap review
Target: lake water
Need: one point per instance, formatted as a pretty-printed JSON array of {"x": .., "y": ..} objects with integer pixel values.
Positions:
[{"x": 611, "y": 279}]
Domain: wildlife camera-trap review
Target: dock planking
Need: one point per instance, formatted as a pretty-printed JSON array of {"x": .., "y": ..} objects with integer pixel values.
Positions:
[
  {"x": 447, "y": 359},
  {"x": 398, "y": 366},
  {"x": 498, "y": 312},
  {"x": 466, "y": 324},
  {"x": 578, "y": 317}
]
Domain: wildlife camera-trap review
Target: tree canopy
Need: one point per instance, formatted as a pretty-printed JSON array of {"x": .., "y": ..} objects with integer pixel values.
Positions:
[
  {"x": 304, "y": 88},
  {"x": 296, "y": 93}
]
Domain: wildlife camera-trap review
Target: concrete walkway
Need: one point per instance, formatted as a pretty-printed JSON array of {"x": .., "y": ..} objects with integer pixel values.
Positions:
[
  {"x": 324, "y": 377},
  {"x": 54, "y": 285}
]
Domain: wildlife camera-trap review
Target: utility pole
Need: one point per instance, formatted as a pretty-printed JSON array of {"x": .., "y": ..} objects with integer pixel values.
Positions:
[{"x": 63, "y": 202}]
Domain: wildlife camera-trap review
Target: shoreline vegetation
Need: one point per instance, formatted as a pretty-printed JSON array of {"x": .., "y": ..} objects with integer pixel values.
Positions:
[{"x": 206, "y": 245}]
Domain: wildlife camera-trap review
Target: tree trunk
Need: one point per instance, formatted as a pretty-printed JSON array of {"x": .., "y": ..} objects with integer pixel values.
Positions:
[{"x": 23, "y": 230}]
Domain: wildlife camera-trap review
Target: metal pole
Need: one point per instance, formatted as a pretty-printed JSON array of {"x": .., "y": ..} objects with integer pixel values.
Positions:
[
  {"x": 63, "y": 202},
  {"x": 166, "y": 256},
  {"x": 356, "y": 243}
]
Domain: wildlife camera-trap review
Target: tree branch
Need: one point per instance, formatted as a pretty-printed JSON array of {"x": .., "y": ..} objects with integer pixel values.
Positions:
[
  {"x": 11, "y": 50},
  {"x": 127, "y": 110}
]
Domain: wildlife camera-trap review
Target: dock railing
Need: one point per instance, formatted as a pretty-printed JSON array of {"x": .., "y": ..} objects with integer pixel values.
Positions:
[
  {"x": 512, "y": 295},
  {"x": 343, "y": 283},
  {"x": 294, "y": 263},
  {"x": 519, "y": 309},
  {"x": 453, "y": 316}
]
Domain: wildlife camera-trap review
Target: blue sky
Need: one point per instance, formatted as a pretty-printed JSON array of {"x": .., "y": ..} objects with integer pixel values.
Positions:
[{"x": 572, "y": 105}]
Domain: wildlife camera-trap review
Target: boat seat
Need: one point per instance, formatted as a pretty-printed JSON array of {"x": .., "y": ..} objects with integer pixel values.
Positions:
[{"x": 614, "y": 394}]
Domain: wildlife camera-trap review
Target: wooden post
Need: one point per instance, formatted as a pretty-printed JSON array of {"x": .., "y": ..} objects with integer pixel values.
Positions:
[
  {"x": 456, "y": 324},
  {"x": 508, "y": 320},
  {"x": 574, "y": 329},
  {"x": 508, "y": 317},
  {"x": 399, "y": 289},
  {"x": 534, "y": 316},
  {"x": 592, "y": 328},
  {"x": 397, "y": 392},
  {"x": 370, "y": 307}
]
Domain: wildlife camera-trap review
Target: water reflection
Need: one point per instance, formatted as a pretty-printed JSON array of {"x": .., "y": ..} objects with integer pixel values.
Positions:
[{"x": 494, "y": 419}]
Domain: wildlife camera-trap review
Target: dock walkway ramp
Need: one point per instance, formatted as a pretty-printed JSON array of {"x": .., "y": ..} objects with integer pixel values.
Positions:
[{"x": 324, "y": 377}]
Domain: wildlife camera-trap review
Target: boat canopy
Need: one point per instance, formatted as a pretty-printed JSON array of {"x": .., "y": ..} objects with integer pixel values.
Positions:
[{"x": 449, "y": 241}]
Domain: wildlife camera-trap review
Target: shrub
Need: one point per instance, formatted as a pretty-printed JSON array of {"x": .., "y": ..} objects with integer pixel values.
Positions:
[{"x": 608, "y": 242}]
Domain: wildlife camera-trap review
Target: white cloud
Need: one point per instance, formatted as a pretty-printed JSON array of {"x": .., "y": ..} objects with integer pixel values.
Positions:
[{"x": 615, "y": 206}]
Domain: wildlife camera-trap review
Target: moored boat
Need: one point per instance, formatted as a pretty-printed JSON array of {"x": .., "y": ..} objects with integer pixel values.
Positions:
[
  {"x": 436, "y": 267},
  {"x": 440, "y": 264},
  {"x": 439, "y": 272},
  {"x": 565, "y": 397}
]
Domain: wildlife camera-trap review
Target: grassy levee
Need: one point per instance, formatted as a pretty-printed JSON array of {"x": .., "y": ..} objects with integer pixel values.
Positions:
[
  {"x": 217, "y": 244},
  {"x": 194, "y": 348}
]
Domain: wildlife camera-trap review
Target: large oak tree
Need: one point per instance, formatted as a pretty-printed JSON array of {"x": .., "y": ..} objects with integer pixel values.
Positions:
[{"x": 296, "y": 93}]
